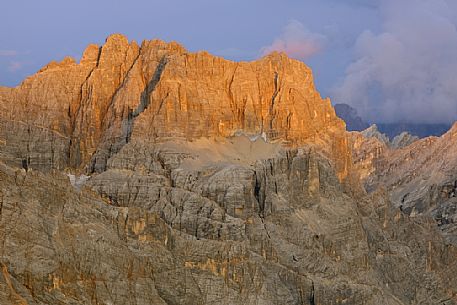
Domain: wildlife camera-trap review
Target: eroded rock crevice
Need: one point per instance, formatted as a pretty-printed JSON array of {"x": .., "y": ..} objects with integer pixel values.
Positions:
[{"x": 113, "y": 145}]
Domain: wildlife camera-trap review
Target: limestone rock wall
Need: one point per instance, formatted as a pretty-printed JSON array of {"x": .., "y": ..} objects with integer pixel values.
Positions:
[
  {"x": 420, "y": 177},
  {"x": 122, "y": 91},
  {"x": 211, "y": 182},
  {"x": 281, "y": 230}
]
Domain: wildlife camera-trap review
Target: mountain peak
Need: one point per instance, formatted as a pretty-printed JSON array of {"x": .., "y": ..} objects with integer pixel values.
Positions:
[
  {"x": 116, "y": 38},
  {"x": 90, "y": 54},
  {"x": 122, "y": 92},
  {"x": 207, "y": 173}
]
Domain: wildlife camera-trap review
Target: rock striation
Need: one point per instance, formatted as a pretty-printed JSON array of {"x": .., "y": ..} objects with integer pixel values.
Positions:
[
  {"x": 419, "y": 177},
  {"x": 373, "y": 132},
  {"x": 402, "y": 140},
  {"x": 162, "y": 226},
  {"x": 145, "y": 174},
  {"x": 121, "y": 91}
]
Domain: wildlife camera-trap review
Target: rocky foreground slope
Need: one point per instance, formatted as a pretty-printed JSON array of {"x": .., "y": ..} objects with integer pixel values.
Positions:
[{"x": 208, "y": 182}]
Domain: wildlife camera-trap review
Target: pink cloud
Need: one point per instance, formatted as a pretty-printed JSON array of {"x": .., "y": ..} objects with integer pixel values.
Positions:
[{"x": 297, "y": 42}]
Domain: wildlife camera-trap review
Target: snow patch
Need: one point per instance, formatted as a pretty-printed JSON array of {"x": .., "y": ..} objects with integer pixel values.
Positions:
[{"x": 77, "y": 182}]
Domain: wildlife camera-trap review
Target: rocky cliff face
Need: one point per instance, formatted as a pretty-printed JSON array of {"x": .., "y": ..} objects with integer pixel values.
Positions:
[
  {"x": 371, "y": 150},
  {"x": 122, "y": 91},
  {"x": 210, "y": 182},
  {"x": 164, "y": 224},
  {"x": 420, "y": 177}
]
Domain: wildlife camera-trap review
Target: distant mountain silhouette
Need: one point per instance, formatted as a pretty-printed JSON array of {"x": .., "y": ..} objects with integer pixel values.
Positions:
[
  {"x": 350, "y": 116},
  {"x": 355, "y": 123},
  {"x": 416, "y": 129}
]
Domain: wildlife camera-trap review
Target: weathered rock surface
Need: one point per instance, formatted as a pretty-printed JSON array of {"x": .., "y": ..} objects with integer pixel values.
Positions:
[
  {"x": 373, "y": 132},
  {"x": 370, "y": 151},
  {"x": 402, "y": 140},
  {"x": 172, "y": 229},
  {"x": 420, "y": 177},
  {"x": 211, "y": 182},
  {"x": 367, "y": 153},
  {"x": 122, "y": 91}
]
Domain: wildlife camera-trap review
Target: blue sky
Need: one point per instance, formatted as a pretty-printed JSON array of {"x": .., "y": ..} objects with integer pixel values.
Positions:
[{"x": 375, "y": 55}]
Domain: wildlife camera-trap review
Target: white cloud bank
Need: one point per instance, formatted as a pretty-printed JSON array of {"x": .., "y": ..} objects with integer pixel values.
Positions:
[{"x": 408, "y": 71}]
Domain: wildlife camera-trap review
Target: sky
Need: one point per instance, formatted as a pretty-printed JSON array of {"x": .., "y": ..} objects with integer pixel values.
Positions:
[{"x": 393, "y": 60}]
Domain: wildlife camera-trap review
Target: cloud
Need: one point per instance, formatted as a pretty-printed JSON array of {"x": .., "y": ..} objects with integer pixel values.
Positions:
[
  {"x": 297, "y": 42},
  {"x": 358, "y": 3},
  {"x": 408, "y": 71},
  {"x": 15, "y": 66},
  {"x": 8, "y": 53}
]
